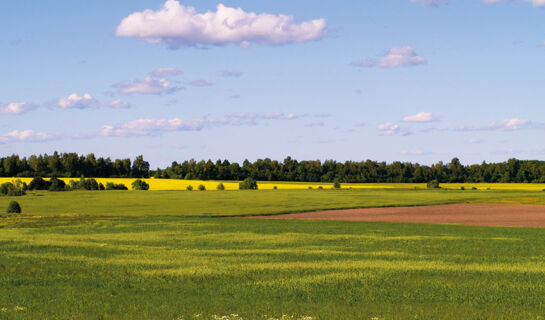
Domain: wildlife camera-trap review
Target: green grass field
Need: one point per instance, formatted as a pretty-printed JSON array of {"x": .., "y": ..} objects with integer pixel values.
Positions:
[{"x": 163, "y": 255}]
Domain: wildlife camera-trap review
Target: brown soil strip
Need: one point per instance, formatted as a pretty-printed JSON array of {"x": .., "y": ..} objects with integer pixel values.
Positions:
[{"x": 512, "y": 215}]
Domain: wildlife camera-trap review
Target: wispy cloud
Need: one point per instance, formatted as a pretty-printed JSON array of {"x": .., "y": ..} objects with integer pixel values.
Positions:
[
  {"x": 231, "y": 74},
  {"x": 175, "y": 25},
  {"x": 165, "y": 72},
  {"x": 535, "y": 3},
  {"x": 149, "y": 85},
  {"x": 389, "y": 129},
  {"x": 201, "y": 83},
  {"x": 86, "y": 101},
  {"x": 16, "y": 108},
  {"x": 144, "y": 127},
  {"x": 513, "y": 124},
  {"x": 429, "y": 3},
  {"x": 26, "y": 136},
  {"x": 396, "y": 57}
]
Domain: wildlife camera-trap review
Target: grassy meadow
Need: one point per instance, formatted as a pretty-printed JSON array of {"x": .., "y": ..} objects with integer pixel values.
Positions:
[{"x": 183, "y": 255}]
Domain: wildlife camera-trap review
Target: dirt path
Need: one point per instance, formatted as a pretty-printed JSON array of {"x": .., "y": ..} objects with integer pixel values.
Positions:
[{"x": 513, "y": 215}]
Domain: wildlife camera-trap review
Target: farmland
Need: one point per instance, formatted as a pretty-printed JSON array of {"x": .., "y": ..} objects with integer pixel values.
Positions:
[{"x": 182, "y": 255}]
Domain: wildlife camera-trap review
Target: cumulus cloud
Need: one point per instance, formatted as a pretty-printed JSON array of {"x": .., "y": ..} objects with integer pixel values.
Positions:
[
  {"x": 165, "y": 72},
  {"x": 86, "y": 101},
  {"x": 144, "y": 127},
  {"x": 75, "y": 101},
  {"x": 396, "y": 57},
  {"x": 201, "y": 83},
  {"x": 17, "y": 108},
  {"x": 175, "y": 25},
  {"x": 420, "y": 117},
  {"x": 231, "y": 73},
  {"x": 535, "y": 3},
  {"x": 25, "y": 136},
  {"x": 149, "y": 85}
]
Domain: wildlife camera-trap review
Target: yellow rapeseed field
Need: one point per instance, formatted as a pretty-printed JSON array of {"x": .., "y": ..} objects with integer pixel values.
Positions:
[{"x": 178, "y": 184}]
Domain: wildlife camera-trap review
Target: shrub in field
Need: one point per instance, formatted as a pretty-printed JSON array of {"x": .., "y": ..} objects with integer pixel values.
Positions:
[
  {"x": 189, "y": 188},
  {"x": 320, "y": 188},
  {"x": 14, "y": 207},
  {"x": 474, "y": 188},
  {"x": 38, "y": 183},
  {"x": 139, "y": 184},
  {"x": 310, "y": 188},
  {"x": 202, "y": 187},
  {"x": 248, "y": 184},
  {"x": 115, "y": 186},
  {"x": 84, "y": 184},
  {"x": 9, "y": 189},
  {"x": 462, "y": 188},
  {"x": 57, "y": 185},
  {"x": 275, "y": 188},
  {"x": 220, "y": 187},
  {"x": 336, "y": 184},
  {"x": 101, "y": 186},
  {"x": 433, "y": 184}
]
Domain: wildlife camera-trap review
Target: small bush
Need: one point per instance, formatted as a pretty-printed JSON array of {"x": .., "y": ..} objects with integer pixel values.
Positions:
[
  {"x": 57, "y": 185},
  {"x": 276, "y": 188},
  {"x": 310, "y": 188},
  {"x": 433, "y": 184},
  {"x": 462, "y": 188},
  {"x": 336, "y": 184},
  {"x": 189, "y": 188},
  {"x": 84, "y": 184},
  {"x": 9, "y": 189},
  {"x": 202, "y": 187},
  {"x": 115, "y": 186},
  {"x": 320, "y": 188},
  {"x": 14, "y": 207},
  {"x": 38, "y": 183},
  {"x": 220, "y": 187},
  {"x": 248, "y": 184},
  {"x": 139, "y": 184},
  {"x": 101, "y": 186},
  {"x": 474, "y": 188}
]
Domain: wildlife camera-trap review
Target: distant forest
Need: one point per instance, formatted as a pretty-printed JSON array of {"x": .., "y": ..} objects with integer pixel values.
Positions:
[{"x": 74, "y": 165}]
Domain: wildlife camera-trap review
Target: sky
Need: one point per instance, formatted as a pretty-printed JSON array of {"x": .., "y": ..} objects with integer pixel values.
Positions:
[{"x": 386, "y": 80}]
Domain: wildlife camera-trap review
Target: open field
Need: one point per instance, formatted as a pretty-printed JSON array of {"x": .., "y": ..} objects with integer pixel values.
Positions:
[
  {"x": 96, "y": 204},
  {"x": 177, "y": 255},
  {"x": 175, "y": 268}
]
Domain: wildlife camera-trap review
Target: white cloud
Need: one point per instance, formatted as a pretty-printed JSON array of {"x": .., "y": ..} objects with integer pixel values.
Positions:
[
  {"x": 166, "y": 72},
  {"x": 201, "y": 83},
  {"x": 510, "y": 124},
  {"x": 175, "y": 25},
  {"x": 389, "y": 129},
  {"x": 420, "y": 117},
  {"x": 232, "y": 73},
  {"x": 396, "y": 57},
  {"x": 25, "y": 136},
  {"x": 75, "y": 101},
  {"x": 17, "y": 108},
  {"x": 86, "y": 101},
  {"x": 144, "y": 127},
  {"x": 535, "y": 3},
  {"x": 147, "y": 86}
]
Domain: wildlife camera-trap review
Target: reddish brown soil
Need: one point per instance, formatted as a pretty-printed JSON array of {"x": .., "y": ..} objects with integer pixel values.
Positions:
[{"x": 513, "y": 215}]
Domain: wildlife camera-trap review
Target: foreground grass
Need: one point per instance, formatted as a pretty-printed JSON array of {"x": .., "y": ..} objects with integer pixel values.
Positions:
[
  {"x": 176, "y": 268},
  {"x": 234, "y": 203}
]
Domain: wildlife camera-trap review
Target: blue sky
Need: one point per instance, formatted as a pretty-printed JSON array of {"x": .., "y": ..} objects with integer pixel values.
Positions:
[{"x": 387, "y": 80}]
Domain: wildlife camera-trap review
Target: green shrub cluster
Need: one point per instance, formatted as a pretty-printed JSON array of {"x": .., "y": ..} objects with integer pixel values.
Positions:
[
  {"x": 139, "y": 184},
  {"x": 248, "y": 184},
  {"x": 13, "y": 208},
  {"x": 85, "y": 184},
  {"x": 220, "y": 187},
  {"x": 12, "y": 189},
  {"x": 433, "y": 184},
  {"x": 202, "y": 187},
  {"x": 115, "y": 186}
]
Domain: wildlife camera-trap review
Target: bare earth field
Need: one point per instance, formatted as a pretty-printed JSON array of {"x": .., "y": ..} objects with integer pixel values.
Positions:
[{"x": 512, "y": 215}]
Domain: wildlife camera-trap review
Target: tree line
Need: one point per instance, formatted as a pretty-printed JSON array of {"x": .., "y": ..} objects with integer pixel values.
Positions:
[{"x": 73, "y": 165}]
